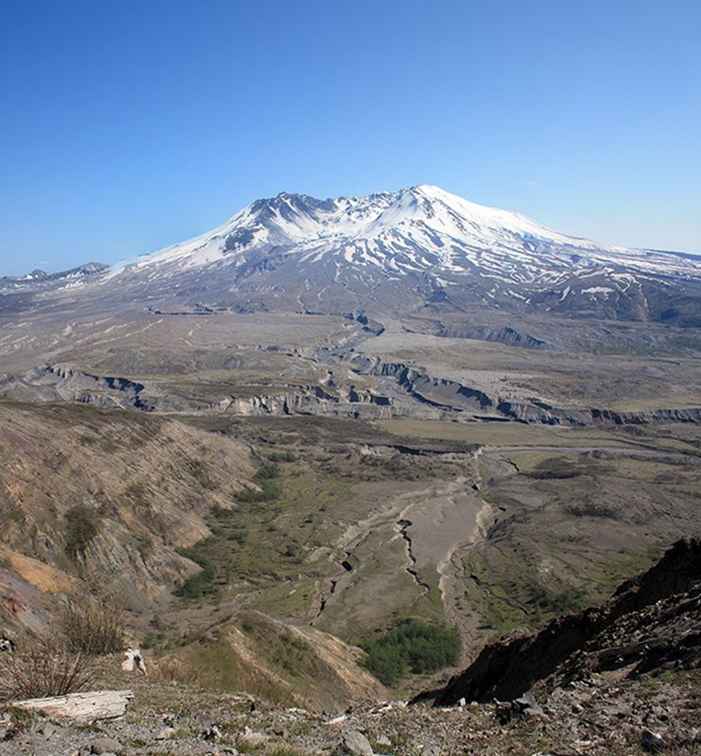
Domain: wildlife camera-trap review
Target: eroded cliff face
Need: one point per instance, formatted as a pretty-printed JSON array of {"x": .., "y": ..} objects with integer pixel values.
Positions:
[
  {"x": 395, "y": 389},
  {"x": 106, "y": 497},
  {"x": 347, "y": 401},
  {"x": 66, "y": 383},
  {"x": 546, "y": 414},
  {"x": 651, "y": 621}
]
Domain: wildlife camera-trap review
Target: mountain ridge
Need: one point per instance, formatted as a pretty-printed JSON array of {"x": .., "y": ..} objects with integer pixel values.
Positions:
[
  {"x": 399, "y": 252},
  {"x": 367, "y": 217}
]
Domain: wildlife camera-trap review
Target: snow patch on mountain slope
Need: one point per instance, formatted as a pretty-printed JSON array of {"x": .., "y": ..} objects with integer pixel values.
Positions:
[{"x": 422, "y": 229}]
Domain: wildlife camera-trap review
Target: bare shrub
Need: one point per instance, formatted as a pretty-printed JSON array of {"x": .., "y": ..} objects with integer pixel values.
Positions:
[
  {"x": 93, "y": 626},
  {"x": 43, "y": 667}
]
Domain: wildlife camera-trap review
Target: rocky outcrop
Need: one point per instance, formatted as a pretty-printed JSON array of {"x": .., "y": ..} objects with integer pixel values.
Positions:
[
  {"x": 63, "y": 382},
  {"x": 420, "y": 385},
  {"x": 373, "y": 327},
  {"x": 347, "y": 401},
  {"x": 536, "y": 411},
  {"x": 505, "y": 335},
  {"x": 650, "y": 621}
]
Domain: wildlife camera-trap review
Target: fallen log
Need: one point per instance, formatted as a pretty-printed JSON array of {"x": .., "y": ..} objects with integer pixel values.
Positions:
[{"x": 82, "y": 708}]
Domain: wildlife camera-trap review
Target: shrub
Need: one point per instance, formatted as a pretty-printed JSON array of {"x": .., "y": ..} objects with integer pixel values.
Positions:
[
  {"x": 43, "y": 667},
  {"x": 412, "y": 646},
  {"x": 201, "y": 583},
  {"x": 267, "y": 479},
  {"x": 267, "y": 472},
  {"x": 386, "y": 662},
  {"x": 286, "y": 456},
  {"x": 82, "y": 525},
  {"x": 93, "y": 626}
]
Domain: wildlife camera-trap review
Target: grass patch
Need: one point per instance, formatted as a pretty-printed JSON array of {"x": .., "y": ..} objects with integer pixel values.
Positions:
[
  {"x": 411, "y": 647},
  {"x": 286, "y": 456},
  {"x": 283, "y": 649},
  {"x": 217, "y": 666}
]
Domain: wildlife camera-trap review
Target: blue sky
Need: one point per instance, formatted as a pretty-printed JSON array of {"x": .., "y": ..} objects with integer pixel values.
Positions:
[{"x": 127, "y": 126}]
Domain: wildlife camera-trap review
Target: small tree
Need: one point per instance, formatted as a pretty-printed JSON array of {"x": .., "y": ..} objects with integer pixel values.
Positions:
[{"x": 411, "y": 646}]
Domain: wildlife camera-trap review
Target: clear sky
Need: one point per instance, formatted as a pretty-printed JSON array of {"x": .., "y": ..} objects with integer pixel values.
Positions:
[{"x": 126, "y": 126}]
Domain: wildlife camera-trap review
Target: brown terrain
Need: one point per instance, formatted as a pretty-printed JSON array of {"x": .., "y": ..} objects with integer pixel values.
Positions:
[{"x": 265, "y": 493}]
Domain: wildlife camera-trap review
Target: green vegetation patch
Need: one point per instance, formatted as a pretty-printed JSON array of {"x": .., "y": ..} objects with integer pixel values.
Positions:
[
  {"x": 283, "y": 649},
  {"x": 411, "y": 647},
  {"x": 218, "y": 666},
  {"x": 202, "y": 583},
  {"x": 82, "y": 526},
  {"x": 267, "y": 479},
  {"x": 219, "y": 555}
]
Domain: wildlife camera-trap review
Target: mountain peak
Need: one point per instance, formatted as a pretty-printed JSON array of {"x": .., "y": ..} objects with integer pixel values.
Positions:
[
  {"x": 418, "y": 232},
  {"x": 428, "y": 189}
]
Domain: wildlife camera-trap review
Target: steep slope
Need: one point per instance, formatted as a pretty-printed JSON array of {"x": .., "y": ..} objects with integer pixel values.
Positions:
[
  {"x": 651, "y": 622},
  {"x": 403, "y": 249},
  {"x": 108, "y": 498},
  {"x": 281, "y": 662}
]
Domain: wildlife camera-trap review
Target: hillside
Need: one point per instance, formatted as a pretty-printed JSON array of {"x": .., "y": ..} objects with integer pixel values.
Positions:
[
  {"x": 106, "y": 499},
  {"x": 618, "y": 679}
]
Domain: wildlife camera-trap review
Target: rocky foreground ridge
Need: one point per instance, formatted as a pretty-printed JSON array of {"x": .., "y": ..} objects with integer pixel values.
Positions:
[
  {"x": 651, "y": 623},
  {"x": 623, "y": 678}
]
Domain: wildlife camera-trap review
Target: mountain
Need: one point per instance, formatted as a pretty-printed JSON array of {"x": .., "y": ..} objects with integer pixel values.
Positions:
[
  {"x": 38, "y": 276},
  {"x": 417, "y": 247}
]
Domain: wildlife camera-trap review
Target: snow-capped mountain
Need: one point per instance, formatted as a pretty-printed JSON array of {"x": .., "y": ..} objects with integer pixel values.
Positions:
[
  {"x": 39, "y": 279},
  {"x": 414, "y": 247}
]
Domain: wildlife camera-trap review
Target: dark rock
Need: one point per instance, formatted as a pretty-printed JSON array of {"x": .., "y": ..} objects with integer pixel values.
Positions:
[
  {"x": 212, "y": 733},
  {"x": 520, "y": 708},
  {"x": 649, "y": 620},
  {"x": 527, "y": 706},
  {"x": 652, "y": 742},
  {"x": 47, "y": 729}
]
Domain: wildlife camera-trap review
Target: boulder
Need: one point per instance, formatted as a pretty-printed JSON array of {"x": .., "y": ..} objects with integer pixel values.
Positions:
[{"x": 356, "y": 744}]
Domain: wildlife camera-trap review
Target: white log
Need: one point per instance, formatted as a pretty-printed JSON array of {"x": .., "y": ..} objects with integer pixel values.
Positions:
[{"x": 82, "y": 708}]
